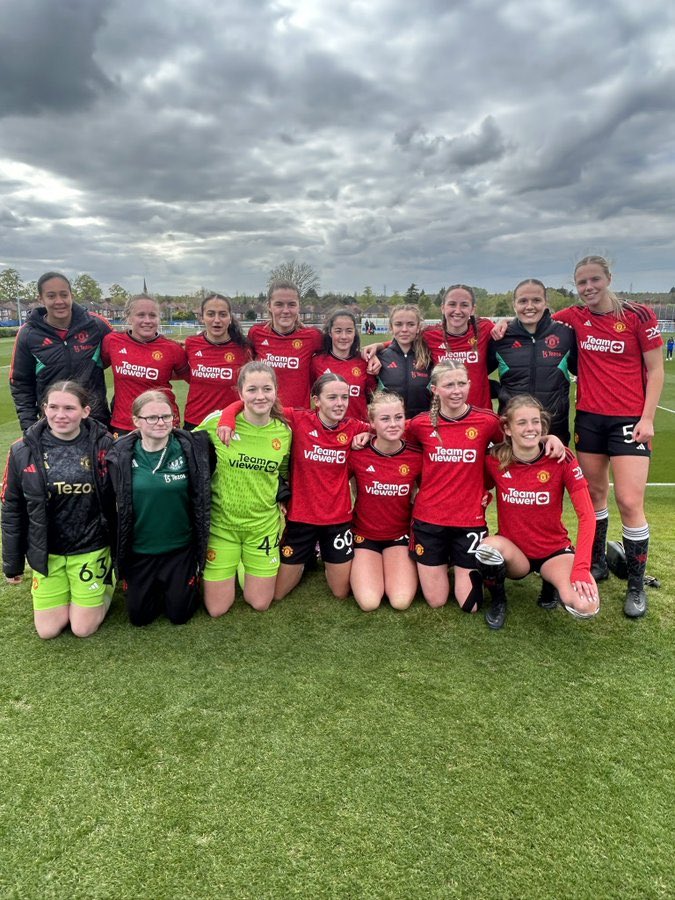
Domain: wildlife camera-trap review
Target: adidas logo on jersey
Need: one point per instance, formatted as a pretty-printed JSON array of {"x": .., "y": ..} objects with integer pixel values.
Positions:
[
  {"x": 199, "y": 353},
  {"x": 588, "y": 322},
  {"x": 506, "y": 475},
  {"x": 517, "y": 345},
  {"x": 265, "y": 343},
  {"x": 314, "y": 433},
  {"x": 392, "y": 365},
  {"x": 123, "y": 351},
  {"x": 370, "y": 469}
]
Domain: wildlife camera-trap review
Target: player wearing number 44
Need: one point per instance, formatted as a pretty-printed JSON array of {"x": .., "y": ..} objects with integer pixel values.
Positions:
[{"x": 58, "y": 513}]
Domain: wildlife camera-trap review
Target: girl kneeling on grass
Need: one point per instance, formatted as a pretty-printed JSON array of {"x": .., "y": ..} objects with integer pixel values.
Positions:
[
  {"x": 448, "y": 514},
  {"x": 162, "y": 478},
  {"x": 385, "y": 473},
  {"x": 245, "y": 515},
  {"x": 320, "y": 504},
  {"x": 57, "y": 511},
  {"x": 531, "y": 535}
]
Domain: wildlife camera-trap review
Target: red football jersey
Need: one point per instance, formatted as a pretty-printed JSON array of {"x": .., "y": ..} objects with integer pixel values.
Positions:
[
  {"x": 140, "y": 366},
  {"x": 530, "y": 501},
  {"x": 384, "y": 491},
  {"x": 319, "y": 471},
  {"x": 214, "y": 369},
  {"x": 354, "y": 371},
  {"x": 319, "y": 468},
  {"x": 469, "y": 348},
  {"x": 452, "y": 483},
  {"x": 611, "y": 367},
  {"x": 289, "y": 355}
]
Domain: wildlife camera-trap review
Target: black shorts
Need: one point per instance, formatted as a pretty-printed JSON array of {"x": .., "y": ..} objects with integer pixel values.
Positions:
[
  {"x": 364, "y": 543},
  {"x": 440, "y": 545},
  {"x": 536, "y": 564},
  {"x": 162, "y": 583},
  {"x": 609, "y": 435},
  {"x": 299, "y": 541}
]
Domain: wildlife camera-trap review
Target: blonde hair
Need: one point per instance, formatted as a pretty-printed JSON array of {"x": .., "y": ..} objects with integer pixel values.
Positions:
[
  {"x": 420, "y": 347},
  {"x": 148, "y": 397},
  {"x": 380, "y": 398},
  {"x": 617, "y": 305},
  {"x": 132, "y": 301},
  {"x": 503, "y": 452},
  {"x": 438, "y": 371}
]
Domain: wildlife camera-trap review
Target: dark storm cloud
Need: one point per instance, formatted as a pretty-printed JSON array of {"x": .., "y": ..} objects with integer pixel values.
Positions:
[
  {"x": 46, "y": 56},
  {"x": 384, "y": 142}
]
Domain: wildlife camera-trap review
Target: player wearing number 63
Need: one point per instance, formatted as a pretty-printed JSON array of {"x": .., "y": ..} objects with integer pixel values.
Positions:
[{"x": 58, "y": 513}]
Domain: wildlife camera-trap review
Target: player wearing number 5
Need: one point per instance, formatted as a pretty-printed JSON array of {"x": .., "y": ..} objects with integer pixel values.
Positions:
[{"x": 58, "y": 513}]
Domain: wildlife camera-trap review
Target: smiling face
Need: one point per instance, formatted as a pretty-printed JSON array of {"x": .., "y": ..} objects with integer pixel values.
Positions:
[
  {"x": 216, "y": 316},
  {"x": 457, "y": 309},
  {"x": 58, "y": 301},
  {"x": 332, "y": 402},
  {"x": 258, "y": 394},
  {"x": 592, "y": 283},
  {"x": 525, "y": 429},
  {"x": 529, "y": 304},
  {"x": 405, "y": 327},
  {"x": 144, "y": 319},
  {"x": 284, "y": 306},
  {"x": 64, "y": 413},
  {"x": 388, "y": 420},
  {"x": 452, "y": 389},
  {"x": 342, "y": 334}
]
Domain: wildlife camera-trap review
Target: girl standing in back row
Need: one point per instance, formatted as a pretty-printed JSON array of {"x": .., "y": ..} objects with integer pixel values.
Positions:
[
  {"x": 142, "y": 359},
  {"x": 621, "y": 376},
  {"x": 215, "y": 357}
]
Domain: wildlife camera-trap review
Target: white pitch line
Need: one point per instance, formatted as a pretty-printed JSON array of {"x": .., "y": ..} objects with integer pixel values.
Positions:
[{"x": 665, "y": 409}]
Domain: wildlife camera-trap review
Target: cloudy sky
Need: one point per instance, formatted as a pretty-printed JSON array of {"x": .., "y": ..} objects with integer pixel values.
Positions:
[{"x": 382, "y": 141}]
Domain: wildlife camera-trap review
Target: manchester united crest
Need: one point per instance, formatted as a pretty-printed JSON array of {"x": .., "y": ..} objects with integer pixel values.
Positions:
[
  {"x": 543, "y": 476},
  {"x": 287, "y": 551},
  {"x": 296, "y": 345},
  {"x": 342, "y": 438},
  {"x": 157, "y": 355},
  {"x": 276, "y": 444},
  {"x": 210, "y": 555},
  {"x": 404, "y": 469},
  {"x": 552, "y": 341},
  {"x": 419, "y": 550},
  {"x": 619, "y": 326},
  {"x": 228, "y": 357},
  {"x": 356, "y": 371},
  {"x": 471, "y": 433}
]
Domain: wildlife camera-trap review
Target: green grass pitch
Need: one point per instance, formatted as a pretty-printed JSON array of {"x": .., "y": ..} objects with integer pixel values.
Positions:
[{"x": 317, "y": 751}]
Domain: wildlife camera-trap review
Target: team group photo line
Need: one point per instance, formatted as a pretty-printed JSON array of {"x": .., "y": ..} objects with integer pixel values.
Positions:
[{"x": 298, "y": 445}]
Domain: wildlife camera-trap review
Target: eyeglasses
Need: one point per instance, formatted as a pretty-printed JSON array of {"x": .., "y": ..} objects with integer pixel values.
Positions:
[{"x": 153, "y": 420}]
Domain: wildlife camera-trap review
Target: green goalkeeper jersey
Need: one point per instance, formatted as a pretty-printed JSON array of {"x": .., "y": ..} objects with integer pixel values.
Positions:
[{"x": 245, "y": 483}]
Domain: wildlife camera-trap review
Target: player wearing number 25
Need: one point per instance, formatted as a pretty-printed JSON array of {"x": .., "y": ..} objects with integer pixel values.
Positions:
[{"x": 57, "y": 512}]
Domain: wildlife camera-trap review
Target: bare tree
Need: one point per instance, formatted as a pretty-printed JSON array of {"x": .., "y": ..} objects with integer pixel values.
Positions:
[{"x": 301, "y": 274}]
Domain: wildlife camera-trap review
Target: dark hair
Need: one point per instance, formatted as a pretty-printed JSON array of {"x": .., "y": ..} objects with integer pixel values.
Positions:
[
  {"x": 504, "y": 451},
  {"x": 234, "y": 329},
  {"x": 257, "y": 365},
  {"x": 325, "y": 379},
  {"x": 47, "y": 277},
  {"x": 529, "y": 281},
  {"x": 330, "y": 321},
  {"x": 68, "y": 387},
  {"x": 470, "y": 291}
]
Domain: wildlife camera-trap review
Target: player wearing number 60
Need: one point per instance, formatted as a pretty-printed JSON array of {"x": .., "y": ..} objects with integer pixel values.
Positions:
[{"x": 58, "y": 513}]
